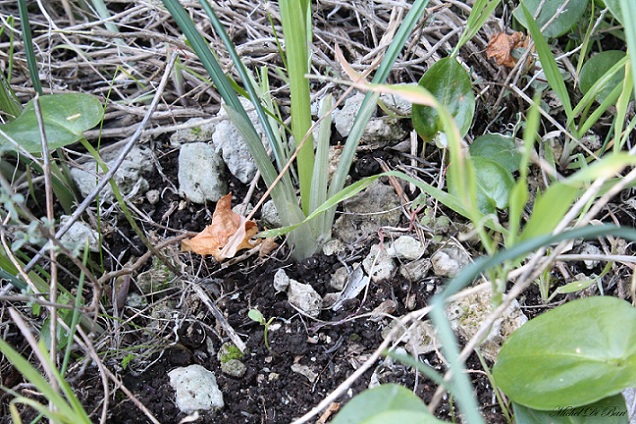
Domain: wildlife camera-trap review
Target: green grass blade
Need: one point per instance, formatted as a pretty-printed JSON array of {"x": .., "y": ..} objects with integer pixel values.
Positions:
[
  {"x": 482, "y": 9},
  {"x": 294, "y": 20},
  {"x": 9, "y": 103},
  {"x": 245, "y": 77},
  {"x": 368, "y": 105},
  {"x": 628, "y": 7},
  {"x": 550, "y": 67},
  {"x": 34, "y": 377},
  {"x": 320, "y": 177},
  {"x": 28, "y": 47}
]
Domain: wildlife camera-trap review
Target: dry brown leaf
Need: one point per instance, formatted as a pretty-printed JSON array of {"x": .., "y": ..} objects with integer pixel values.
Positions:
[
  {"x": 501, "y": 46},
  {"x": 228, "y": 233}
]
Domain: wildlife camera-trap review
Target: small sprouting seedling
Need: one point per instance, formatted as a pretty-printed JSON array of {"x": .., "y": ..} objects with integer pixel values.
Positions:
[{"x": 255, "y": 315}]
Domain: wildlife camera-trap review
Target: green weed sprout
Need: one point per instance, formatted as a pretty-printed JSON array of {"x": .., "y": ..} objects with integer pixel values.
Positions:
[{"x": 256, "y": 316}]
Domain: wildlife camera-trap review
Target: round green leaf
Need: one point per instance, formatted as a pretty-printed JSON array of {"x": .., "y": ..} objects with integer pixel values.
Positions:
[
  {"x": 65, "y": 117},
  {"x": 494, "y": 183},
  {"x": 450, "y": 84},
  {"x": 596, "y": 67},
  {"x": 610, "y": 410},
  {"x": 498, "y": 148},
  {"x": 390, "y": 402},
  {"x": 568, "y": 18},
  {"x": 573, "y": 355}
]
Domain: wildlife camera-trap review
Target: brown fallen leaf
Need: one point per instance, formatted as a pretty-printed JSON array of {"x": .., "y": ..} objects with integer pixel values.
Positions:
[
  {"x": 501, "y": 46},
  {"x": 228, "y": 233}
]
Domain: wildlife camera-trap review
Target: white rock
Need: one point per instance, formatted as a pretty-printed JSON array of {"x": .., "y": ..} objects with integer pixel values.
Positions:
[
  {"x": 196, "y": 389},
  {"x": 230, "y": 142},
  {"x": 590, "y": 249},
  {"x": 200, "y": 173},
  {"x": 80, "y": 233},
  {"x": 304, "y": 297},
  {"x": 467, "y": 315},
  {"x": 128, "y": 177},
  {"x": 378, "y": 264},
  {"x": 281, "y": 281},
  {"x": 449, "y": 261},
  {"x": 406, "y": 248}
]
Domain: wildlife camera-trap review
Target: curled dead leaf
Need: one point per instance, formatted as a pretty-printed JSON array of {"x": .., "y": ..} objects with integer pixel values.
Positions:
[
  {"x": 228, "y": 233},
  {"x": 501, "y": 45}
]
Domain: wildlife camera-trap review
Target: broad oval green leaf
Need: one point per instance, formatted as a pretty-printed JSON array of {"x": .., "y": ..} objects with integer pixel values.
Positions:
[
  {"x": 498, "y": 148},
  {"x": 573, "y": 355},
  {"x": 388, "y": 401},
  {"x": 450, "y": 84},
  {"x": 596, "y": 67},
  {"x": 494, "y": 183},
  {"x": 568, "y": 18},
  {"x": 611, "y": 410},
  {"x": 65, "y": 117}
]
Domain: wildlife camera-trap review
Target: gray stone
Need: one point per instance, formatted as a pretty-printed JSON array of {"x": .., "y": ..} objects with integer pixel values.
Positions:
[
  {"x": 306, "y": 371},
  {"x": 366, "y": 212},
  {"x": 382, "y": 132},
  {"x": 200, "y": 173},
  {"x": 200, "y": 131},
  {"x": 406, "y": 248},
  {"x": 269, "y": 214},
  {"x": 468, "y": 314},
  {"x": 234, "y": 150},
  {"x": 304, "y": 297},
  {"x": 128, "y": 177},
  {"x": 416, "y": 270},
  {"x": 343, "y": 118},
  {"x": 77, "y": 236},
  {"x": 449, "y": 261},
  {"x": 333, "y": 247},
  {"x": 281, "y": 281},
  {"x": 233, "y": 368},
  {"x": 196, "y": 389},
  {"x": 339, "y": 278},
  {"x": 378, "y": 264}
]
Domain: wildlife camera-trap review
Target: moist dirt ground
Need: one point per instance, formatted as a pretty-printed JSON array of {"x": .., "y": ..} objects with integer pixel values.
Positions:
[{"x": 304, "y": 359}]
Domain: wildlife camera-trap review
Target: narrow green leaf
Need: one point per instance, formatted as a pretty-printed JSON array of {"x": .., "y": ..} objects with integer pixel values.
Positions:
[
  {"x": 549, "y": 208},
  {"x": 481, "y": 11},
  {"x": 293, "y": 18},
  {"x": 573, "y": 355},
  {"x": 367, "y": 107},
  {"x": 628, "y": 9},
  {"x": 550, "y": 67}
]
